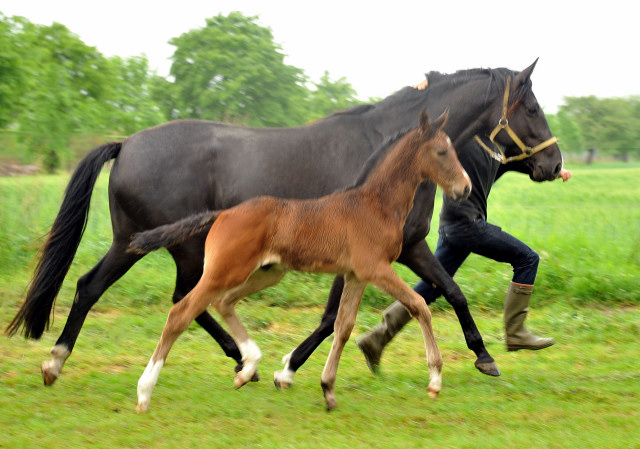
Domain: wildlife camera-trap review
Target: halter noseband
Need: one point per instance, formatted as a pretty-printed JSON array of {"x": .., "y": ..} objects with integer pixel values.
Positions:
[{"x": 503, "y": 124}]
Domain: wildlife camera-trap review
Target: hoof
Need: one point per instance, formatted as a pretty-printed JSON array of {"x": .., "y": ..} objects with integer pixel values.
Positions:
[
  {"x": 47, "y": 375},
  {"x": 331, "y": 404},
  {"x": 254, "y": 378},
  {"x": 488, "y": 368},
  {"x": 280, "y": 382},
  {"x": 433, "y": 394},
  {"x": 142, "y": 407}
]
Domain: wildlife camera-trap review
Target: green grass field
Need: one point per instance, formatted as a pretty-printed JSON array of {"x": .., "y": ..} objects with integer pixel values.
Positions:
[{"x": 583, "y": 392}]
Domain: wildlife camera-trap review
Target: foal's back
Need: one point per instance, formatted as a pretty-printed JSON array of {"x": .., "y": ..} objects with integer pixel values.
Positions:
[{"x": 327, "y": 235}]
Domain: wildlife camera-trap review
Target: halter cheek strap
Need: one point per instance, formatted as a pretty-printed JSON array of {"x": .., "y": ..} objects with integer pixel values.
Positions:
[{"x": 503, "y": 124}]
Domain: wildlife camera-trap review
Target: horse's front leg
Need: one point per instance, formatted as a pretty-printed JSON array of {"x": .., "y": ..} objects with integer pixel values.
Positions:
[
  {"x": 421, "y": 261},
  {"x": 388, "y": 281},
  {"x": 345, "y": 320}
]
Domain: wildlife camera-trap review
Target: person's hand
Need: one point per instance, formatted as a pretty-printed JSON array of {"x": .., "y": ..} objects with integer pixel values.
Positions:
[
  {"x": 422, "y": 85},
  {"x": 565, "y": 175}
]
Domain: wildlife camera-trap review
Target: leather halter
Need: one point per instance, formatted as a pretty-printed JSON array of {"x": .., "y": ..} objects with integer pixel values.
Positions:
[{"x": 503, "y": 124}]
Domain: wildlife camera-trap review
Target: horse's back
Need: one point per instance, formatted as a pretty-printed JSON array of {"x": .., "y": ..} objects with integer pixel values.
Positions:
[{"x": 170, "y": 171}]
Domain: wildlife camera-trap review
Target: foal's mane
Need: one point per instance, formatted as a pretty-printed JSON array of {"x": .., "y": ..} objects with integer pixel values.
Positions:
[{"x": 375, "y": 158}]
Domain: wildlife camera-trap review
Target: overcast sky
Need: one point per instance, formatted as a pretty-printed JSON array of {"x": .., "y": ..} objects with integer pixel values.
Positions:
[{"x": 585, "y": 48}]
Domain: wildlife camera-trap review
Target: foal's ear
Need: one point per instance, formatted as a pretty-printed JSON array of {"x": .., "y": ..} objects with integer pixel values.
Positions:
[
  {"x": 425, "y": 125},
  {"x": 439, "y": 123}
]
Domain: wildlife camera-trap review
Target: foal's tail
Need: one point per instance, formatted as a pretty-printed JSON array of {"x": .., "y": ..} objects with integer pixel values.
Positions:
[
  {"x": 63, "y": 239},
  {"x": 172, "y": 234}
]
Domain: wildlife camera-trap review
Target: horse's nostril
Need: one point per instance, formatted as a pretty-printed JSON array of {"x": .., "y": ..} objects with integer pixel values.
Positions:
[
  {"x": 467, "y": 190},
  {"x": 557, "y": 170}
]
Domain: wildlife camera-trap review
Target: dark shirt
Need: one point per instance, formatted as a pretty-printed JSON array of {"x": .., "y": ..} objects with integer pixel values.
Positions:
[{"x": 482, "y": 169}]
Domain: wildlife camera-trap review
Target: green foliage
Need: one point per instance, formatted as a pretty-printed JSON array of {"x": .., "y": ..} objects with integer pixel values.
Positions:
[
  {"x": 57, "y": 87},
  {"x": 330, "y": 96},
  {"x": 609, "y": 125},
  {"x": 231, "y": 70}
]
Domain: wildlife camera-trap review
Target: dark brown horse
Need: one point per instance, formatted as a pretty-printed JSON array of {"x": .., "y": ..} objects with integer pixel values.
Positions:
[
  {"x": 356, "y": 233},
  {"x": 226, "y": 165}
]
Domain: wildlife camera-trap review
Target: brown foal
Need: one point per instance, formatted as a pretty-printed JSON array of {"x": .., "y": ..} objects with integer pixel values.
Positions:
[{"x": 356, "y": 233}]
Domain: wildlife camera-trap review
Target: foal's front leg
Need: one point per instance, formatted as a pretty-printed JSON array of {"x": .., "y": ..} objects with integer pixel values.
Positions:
[
  {"x": 349, "y": 303},
  {"x": 180, "y": 317},
  {"x": 387, "y": 280}
]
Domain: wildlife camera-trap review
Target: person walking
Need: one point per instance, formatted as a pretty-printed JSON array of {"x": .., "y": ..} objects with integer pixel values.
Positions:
[{"x": 464, "y": 230}]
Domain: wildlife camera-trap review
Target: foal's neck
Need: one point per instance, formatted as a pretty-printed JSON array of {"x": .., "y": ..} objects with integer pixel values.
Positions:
[{"x": 395, "y": 179}]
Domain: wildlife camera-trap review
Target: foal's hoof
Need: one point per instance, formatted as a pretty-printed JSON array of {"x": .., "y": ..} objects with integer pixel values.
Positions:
[
  {"x": 433, "y": 394},
  {"x": 488, "y": 368},
  {"x": 142, "y": 407},
  {"x": 48, "y": 376}
]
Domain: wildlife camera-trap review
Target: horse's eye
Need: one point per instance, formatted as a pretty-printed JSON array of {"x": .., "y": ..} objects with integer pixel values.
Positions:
[
  {"x": 532, "y": 110},
  {"x": 442, "y": 152}
]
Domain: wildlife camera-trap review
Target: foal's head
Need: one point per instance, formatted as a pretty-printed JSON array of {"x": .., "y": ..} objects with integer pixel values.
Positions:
[{"x": 439, "y": 159}]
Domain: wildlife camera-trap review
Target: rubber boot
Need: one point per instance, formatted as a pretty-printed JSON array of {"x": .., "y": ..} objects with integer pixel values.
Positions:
[
  {"x": 516, "y": 307},
  {"x": 394, "y": 318}
]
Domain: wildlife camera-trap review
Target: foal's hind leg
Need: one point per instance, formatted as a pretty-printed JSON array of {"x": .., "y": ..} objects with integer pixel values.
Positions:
[
  {"x": 89, "y": 289},
  {"x": 188, "y": 258},
  {"x": 225, "y": 305},
  {"x": 347, "y": 312},
  {"x": 387, "y": 280}
]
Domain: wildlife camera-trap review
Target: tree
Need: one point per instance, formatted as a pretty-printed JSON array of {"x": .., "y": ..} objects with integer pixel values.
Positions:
[
  {"x": 231, "y": 70},
  {"x": 54, "y": 87},
  {"x": 12, "y": 71},
  {"x": 329, "y": 96},
  {"x": 610, "y": 125},
  {"x": 568, "y": 132}
]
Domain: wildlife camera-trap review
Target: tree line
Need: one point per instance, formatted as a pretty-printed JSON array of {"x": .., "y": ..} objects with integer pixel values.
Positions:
[{"x": 56, "y": 91}]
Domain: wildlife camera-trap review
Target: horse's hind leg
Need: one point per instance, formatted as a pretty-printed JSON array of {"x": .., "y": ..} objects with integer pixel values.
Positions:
[
  {"x": 89, "y": 289},
  {"x": 296, "y": 358},
  {"x": 346, "y": 318},
  {"x": 387, "y": 280}
]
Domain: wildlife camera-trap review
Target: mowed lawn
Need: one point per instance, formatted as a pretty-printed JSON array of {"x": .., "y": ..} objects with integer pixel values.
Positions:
[{"x": 581, "y": 393}]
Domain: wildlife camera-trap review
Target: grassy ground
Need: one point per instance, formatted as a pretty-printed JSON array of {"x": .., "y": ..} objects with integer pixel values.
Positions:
[{"x": 582, "y": 392}]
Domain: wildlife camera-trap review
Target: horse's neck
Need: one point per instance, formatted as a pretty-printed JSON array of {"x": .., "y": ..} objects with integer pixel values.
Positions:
[{"x": 469, "y": 109}]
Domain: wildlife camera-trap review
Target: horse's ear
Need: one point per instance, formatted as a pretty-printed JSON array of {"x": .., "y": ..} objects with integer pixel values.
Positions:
[
  {"x": 425, "y": 126},
  {"x": 523, "y": 77}
]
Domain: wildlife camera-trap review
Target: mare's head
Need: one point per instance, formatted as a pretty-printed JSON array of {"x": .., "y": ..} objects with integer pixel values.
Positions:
[
  {"x": 439, "y": 159},
  {"x": 521, "y": 127}
]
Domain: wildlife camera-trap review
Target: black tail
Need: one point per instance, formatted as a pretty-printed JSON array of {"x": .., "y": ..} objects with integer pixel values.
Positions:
[
  {"x": 58, "y": 251},
  {"x": 172, "y": 234}
]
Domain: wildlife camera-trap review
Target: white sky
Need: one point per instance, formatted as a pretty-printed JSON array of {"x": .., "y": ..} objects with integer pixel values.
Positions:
[{"x": 585, "y": 48}]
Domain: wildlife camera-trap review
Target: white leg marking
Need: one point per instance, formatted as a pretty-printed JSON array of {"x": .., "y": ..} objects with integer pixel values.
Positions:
[
  {"x": 435, "y": 384},
  {"x": 146, "y": 384},
  {"x": 251, "y": 356},
  {"x": 51, "y": 370},
  {"x": 284, "y": 378}
]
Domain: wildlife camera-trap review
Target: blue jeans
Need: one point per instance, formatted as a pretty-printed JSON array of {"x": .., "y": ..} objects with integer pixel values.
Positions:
[{"x": 458, "y": 240}]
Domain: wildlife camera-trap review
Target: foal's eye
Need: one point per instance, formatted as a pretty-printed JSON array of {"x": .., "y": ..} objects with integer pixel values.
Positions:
[{"x": 442, "y": 152}]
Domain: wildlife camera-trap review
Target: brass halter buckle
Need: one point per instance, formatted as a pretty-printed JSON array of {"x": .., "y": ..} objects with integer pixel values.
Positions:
[{"x": 503, "y": 124}]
